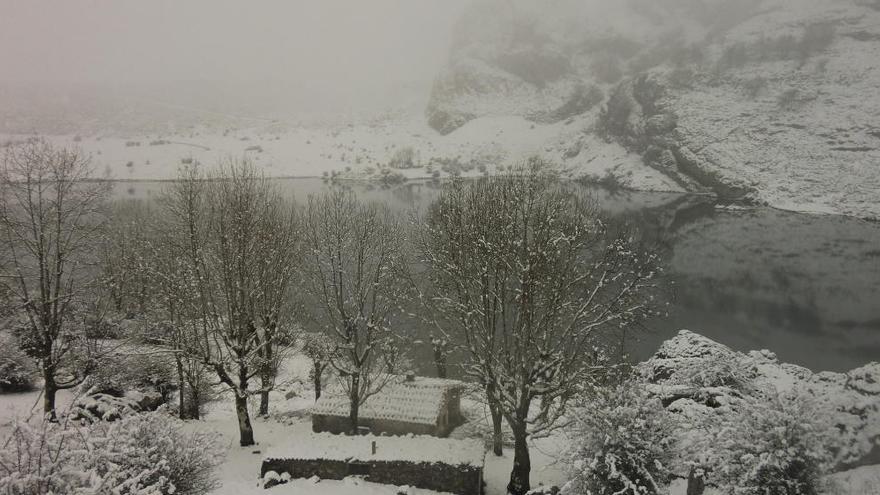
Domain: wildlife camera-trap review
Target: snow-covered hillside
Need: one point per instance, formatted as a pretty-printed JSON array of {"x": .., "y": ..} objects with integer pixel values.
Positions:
[{"x": 767, "y": 100}]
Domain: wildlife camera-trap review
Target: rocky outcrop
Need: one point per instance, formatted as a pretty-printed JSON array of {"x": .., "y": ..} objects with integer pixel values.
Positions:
[
  {"x": 106, "y": 407},
  {"x": 698, "y": 378},
  {"x": 762, "y": 101}
]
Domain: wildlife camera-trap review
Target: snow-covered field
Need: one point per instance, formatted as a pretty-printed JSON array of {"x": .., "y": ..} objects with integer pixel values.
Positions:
[
  {"x": 288, "y": 425},
  {"x": 360, "y": 150}
]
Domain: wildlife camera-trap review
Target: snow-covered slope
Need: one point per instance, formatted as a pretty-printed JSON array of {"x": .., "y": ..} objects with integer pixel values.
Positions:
[{"x": 770, "y": 100}]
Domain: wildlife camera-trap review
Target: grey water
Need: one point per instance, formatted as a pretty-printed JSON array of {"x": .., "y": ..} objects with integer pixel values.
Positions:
[{"x": 806, "y": 287}]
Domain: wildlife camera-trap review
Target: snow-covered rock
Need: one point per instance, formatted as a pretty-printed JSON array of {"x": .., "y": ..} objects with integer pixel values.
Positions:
[
  {"x": 698, "y": 378},
  {"x": 106, "y": 407}
]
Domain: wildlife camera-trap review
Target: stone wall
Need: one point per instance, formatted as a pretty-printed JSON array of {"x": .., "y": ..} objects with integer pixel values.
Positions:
[
  {"x": 460, "y": 479},
  {"x": 339, "y": 424}
]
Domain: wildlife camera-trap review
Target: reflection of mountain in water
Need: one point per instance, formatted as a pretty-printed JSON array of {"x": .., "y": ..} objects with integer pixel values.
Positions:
[{"x": 805, "y": 286}]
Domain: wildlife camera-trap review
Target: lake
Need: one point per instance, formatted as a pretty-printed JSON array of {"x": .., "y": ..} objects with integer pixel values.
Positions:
[{"x": 806, "y": 287}]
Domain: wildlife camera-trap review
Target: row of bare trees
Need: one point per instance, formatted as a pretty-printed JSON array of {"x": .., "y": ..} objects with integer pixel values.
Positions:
[
  {"x": 238, "y": 271},
  {"x": 520, "y": 276},
  {"x": 49, "y": 216}
]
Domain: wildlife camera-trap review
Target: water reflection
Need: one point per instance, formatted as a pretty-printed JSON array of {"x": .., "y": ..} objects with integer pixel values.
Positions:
[{"x": 807, "y": 287}]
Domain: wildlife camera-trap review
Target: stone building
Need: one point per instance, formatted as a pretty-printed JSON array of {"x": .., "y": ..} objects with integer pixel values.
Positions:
[{"x": 408, "y": 405}]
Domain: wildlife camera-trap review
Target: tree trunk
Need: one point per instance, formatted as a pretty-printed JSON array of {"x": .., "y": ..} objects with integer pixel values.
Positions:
[
  {"x": 245, "y": 430},
  {"x": 696, "y": 484},
  {"x": 316, "y": 379},
  {"x": 181, "y": 387},
  {"x": 49, "y": 390},
  {"x": 440, "y": 361},
  {"x": 355, "y": 402},
  {"x": 264, "y": 403},
  {"x": 519, "y": 476},
  {"x": 194, "y": 401},
  {"x": 497, "y": 436},
  {"x": 267, "y": 376}
]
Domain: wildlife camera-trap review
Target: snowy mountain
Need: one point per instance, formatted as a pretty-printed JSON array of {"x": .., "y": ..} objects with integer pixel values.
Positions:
[{"x": 770, "y": 101}]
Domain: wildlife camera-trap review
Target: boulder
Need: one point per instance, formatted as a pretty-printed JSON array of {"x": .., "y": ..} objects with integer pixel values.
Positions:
[{"x": 697, "y": 378}]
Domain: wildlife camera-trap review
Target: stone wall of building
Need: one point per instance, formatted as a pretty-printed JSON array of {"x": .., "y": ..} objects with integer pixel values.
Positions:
[{"x": 339, "y": 424}]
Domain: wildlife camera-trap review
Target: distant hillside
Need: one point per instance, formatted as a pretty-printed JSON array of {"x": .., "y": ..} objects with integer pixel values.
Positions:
[{"x": 772, "y": 101}]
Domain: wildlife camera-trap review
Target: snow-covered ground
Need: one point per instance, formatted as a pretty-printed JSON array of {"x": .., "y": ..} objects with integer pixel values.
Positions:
[
  {"x": 289, "y": 424},
  {"x": 360, "y": 150}
]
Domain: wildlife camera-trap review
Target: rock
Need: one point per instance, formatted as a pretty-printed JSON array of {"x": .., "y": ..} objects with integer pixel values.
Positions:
[
  {"x": 865, "y": 380},
  {"x": 107, "y": 407},
  {"x": 102, "y": 407},
  {"x": 697, "y": 378},
  {"x": 145, "y": 401}
]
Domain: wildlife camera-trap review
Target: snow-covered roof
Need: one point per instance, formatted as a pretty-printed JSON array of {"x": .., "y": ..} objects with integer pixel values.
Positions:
[
  {"x": 413, "y": 448},
  {"x": 418, "y": 401}
]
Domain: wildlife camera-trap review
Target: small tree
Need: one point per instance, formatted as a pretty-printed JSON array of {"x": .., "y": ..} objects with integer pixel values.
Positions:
[
  {"x": 530, "y": 276},
  {"x": 356, "y": 284},
  {"x": 622, "y": 442},
  {"x": 50, "y": 216},
  {"x": 122, "y": 253},
  {"x": 773, "y": 444}
]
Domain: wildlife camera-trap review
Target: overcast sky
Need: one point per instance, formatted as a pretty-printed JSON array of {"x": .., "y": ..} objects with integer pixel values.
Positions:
[{"x": 334, "y": 42}]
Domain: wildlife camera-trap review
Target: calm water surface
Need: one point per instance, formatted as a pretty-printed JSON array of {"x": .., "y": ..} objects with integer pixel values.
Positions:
[{"x": 806, "y": 287}]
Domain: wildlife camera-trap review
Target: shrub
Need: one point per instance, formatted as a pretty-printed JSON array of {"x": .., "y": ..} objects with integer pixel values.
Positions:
[
  {"x": 120, "y": 373},
  {"x": 145, "y": 454},
  {"x": 622, "y": 440},
  {"x": 403, "y": 158},
  {"x": 16, "y": 369},
  {"x": 776, "y": 445}
]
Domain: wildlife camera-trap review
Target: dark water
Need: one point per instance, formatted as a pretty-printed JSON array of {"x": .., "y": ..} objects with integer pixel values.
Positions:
[{"x": 806, "y": 287}]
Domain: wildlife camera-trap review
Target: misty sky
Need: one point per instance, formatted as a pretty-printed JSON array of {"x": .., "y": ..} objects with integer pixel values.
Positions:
[{"x": 332, "y": 42}]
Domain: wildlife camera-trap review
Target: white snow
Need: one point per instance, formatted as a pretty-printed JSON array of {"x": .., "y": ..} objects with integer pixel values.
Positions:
[{"x": 420, "y": 401}]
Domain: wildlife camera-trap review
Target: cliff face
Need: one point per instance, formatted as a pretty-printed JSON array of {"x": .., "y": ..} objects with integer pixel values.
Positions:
[{"x": 773, "y": 101}]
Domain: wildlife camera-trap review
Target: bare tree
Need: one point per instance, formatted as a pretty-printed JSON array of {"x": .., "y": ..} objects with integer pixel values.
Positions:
[
  {"x": 530, "y": 277},
  {"x": 318, "y": 347},
  {"x": 50, "y": 216},
  {"x": 225, "y": 233},
  {"x": 121, "y": 256},
  {"x": 356, "y": 283},
  {"x": 168, "y": 262}
]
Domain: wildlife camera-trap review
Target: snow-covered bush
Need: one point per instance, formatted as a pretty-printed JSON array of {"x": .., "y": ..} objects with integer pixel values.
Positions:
[
  {"x": 725, "y": 371},
  {"x": 120, "y": 373},
  {"x": 141, "y": 455},
  {"x": 16, "y": 368},
  {"x": 622, "y": 444},
  {"x": 154, "y": 449},
  {"x": 774, "y": 446}
]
